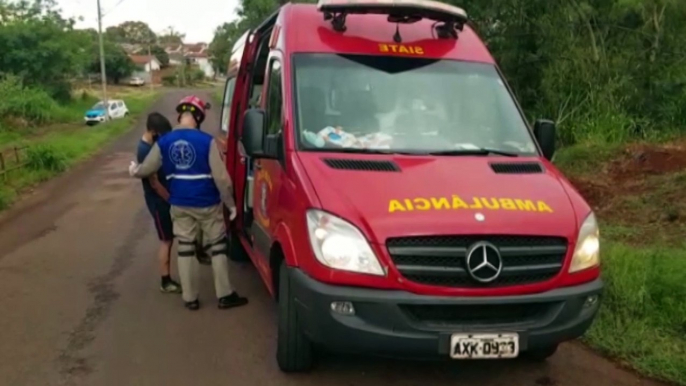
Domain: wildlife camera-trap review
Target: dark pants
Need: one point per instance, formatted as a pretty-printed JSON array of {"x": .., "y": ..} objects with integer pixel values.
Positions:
[{"x": 160, "y": 212}]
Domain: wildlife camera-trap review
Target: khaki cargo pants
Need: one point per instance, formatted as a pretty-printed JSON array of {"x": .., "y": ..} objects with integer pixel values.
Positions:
[{"x": 210, "y": 221}]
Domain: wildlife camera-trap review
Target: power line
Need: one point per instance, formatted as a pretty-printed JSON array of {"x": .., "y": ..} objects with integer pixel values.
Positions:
[{"x": 113, "y": 8}]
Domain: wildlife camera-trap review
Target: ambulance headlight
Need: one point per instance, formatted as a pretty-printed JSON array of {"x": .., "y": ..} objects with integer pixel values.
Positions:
[
  {"x": 340, "y": 245},
  {"x": 587, "y": 252}
]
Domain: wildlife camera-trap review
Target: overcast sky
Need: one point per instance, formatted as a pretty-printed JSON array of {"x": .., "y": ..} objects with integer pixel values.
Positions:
[{"x": 196, "y": 18}]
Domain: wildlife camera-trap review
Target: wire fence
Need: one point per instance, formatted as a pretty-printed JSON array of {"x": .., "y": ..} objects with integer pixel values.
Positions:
[{"x": 12, "y": 159}]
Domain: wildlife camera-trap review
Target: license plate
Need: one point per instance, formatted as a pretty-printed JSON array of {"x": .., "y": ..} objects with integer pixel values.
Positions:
[{"x": 484, "y": 346}]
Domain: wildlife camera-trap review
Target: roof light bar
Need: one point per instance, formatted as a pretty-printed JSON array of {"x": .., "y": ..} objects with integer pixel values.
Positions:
[
  {"x": 429, "y": 9},
  {"x": 398, "y": 11}
]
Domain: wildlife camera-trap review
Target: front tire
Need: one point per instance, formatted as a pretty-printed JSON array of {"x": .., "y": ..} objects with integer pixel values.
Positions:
[
  {"x": 294, "y": 350},
  {"x": 540, "y": 354}
]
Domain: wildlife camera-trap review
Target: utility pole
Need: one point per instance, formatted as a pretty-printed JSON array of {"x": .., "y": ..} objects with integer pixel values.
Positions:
[
  {"x": 183, "y": 64},
  {"x": 150, "y": 68},
  {"x": 103, "y": 76}
]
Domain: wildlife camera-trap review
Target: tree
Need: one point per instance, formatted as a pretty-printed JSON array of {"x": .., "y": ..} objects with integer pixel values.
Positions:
[
  {"x": 603, "y": 69},
  {"x": 115, "y": 34},
  {"x": 170, "y": 36},
  {"x": 160, "y": 54},
  {"x": 40, "y": 46},
  {"x": 224, "y": 38},
  {"x": 118, "y": 64},
  {"x": 253, "y": 12},
  {"x": 134, "y": 32}
]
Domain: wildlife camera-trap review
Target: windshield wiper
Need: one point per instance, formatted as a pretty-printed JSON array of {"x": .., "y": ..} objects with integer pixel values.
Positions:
[
  {"x": 479, "y": 151},
  {"x": 365, "y": 151}
]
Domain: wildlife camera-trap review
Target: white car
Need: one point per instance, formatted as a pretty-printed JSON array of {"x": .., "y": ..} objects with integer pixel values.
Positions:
[
  {"x": 136, "y": 81},
  {"x": 117, "y": 109}
]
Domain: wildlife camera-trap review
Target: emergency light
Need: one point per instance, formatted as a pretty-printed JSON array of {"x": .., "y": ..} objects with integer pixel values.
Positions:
[{"x": 398, "y": 11}]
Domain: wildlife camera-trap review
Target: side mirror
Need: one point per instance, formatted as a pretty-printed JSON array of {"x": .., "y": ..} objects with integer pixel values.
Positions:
[
  {"x": 253, "y": 132},
  {"x": 544, "y": 131}
]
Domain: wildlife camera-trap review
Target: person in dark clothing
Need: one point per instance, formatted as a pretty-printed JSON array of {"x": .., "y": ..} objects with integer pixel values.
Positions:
[{"x": 157, "y": 199}]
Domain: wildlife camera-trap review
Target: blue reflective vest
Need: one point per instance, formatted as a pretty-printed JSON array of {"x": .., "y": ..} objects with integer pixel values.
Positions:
[{"x": 186, "y": 164}]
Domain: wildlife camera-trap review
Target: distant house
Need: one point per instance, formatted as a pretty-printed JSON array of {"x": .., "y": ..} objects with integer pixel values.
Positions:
[
  {"x": 203, "y": 62},
  {"x": 175, "y": 58},
  {"x": 194, "y": 54},
  {"x": 147, "y": 62},
  {"x": 130, "y": 48},
  {"x": 174, "y": 52},
  {"x": 147, "y": 65},
  {"x": 172, "y": 48},
  {"x": 197, "y": 54}
]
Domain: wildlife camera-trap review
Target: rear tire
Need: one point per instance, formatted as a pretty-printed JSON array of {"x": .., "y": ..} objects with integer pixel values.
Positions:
[
  {"x": 540, "y": 354},
  {"x": 294, "y": 350}
]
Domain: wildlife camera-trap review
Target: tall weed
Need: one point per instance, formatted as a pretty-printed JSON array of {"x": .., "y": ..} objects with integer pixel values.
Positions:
[
  {"x": 643, "y": 316},
  {"x": 45, "y": 157},
  {"x": 30, "y": 104}
]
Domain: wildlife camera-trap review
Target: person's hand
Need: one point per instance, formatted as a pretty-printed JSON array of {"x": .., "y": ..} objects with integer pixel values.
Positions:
[
  {"x": 232, "y": 211},
  {"x": 133, "y": 167}
]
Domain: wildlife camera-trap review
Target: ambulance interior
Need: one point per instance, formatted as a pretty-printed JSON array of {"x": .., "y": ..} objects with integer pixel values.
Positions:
[{"x": 404, "y": 104}]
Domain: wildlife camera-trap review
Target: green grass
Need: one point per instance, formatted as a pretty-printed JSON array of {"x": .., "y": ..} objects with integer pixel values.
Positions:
[
  {"x": 85, "y": 140},
  {"x": 63, "y": 117},
  {"x": 585, "y": 159},
  {"x": 218, "y": 93},
  {"x": 642, "y": 320},
  {"x": 57, "y": 150}
]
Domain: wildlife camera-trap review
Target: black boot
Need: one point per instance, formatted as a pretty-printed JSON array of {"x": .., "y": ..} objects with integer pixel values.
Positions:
[
  {"x": 233, "y": 300},
  {"x": 194, "y": 305}
]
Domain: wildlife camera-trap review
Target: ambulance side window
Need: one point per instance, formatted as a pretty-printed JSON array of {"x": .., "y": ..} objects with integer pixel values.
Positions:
[
  {"x": 226, "y": 108},
  {"x": 275, "y": 99}
]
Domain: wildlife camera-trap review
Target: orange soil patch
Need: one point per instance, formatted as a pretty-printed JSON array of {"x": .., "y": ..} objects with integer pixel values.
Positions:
[{"x": 627, "y": 174}]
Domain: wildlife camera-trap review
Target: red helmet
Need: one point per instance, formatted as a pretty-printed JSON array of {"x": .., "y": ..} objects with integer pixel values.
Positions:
[{"x": 194, "y": 105}]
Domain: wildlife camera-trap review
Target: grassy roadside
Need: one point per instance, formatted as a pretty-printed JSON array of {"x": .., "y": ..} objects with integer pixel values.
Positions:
[
  {"x": 55, "y": 148},
  {"x": 218, "y": 94},
  {"x": 637, "y": 193}
]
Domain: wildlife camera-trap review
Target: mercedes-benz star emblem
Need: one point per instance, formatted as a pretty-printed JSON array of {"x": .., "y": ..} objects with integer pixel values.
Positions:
[{"x": 484, "y": 262}]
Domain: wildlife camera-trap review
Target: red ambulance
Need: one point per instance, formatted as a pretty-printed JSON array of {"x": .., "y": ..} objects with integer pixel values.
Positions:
[{"x": 392, "y": 195}]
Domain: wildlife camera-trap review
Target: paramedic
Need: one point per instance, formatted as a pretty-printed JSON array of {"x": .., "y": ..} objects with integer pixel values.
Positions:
[{"x": 198, "y": 184}]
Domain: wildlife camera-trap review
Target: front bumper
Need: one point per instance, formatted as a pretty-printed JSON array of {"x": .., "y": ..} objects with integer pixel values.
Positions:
[
  {"x": 94, "y": 119},
  {"x": 402, "y": 324}
]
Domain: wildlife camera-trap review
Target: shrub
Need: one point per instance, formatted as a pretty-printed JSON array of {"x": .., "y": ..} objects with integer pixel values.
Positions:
[
  {"x": 44, "y": 157},
  {"x": 169, "y": 80},
  {"x": 198, "y": 75},
  {"x": 5, "y": 197},
  {"x": 643, "y": 316},
  {"x": 31, "y": 104}
]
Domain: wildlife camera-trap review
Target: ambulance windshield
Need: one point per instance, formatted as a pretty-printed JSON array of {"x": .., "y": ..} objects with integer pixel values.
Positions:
[{"x": 404, "y": 104}]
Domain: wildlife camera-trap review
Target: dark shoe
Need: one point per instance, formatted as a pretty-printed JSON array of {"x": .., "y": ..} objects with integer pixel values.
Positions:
[
  {"x": 170, "y": 287},
  {"x": 233, "y": 300},
  {"x": 193, "y": 306}
]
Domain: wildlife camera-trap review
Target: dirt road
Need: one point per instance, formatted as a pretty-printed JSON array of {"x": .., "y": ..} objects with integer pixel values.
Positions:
[{"x": 80, "y": 305}]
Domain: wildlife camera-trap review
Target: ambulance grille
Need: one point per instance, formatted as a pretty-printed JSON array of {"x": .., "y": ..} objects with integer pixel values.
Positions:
[
  {"x": 479, "y": 314},
  {"x": 441, "y": 260},
  {"x": 517, "y": 168},
  {"x": 363, "y": 165}
]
